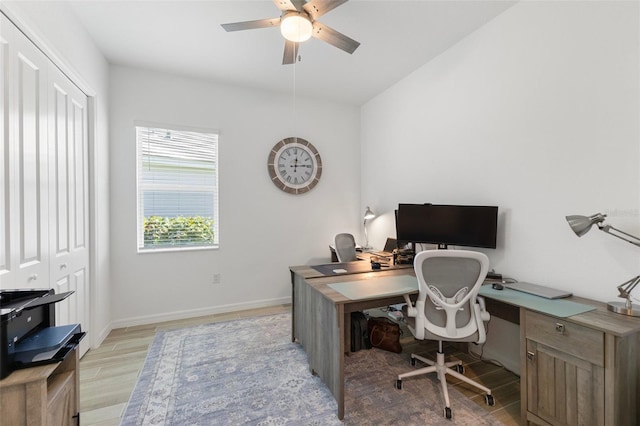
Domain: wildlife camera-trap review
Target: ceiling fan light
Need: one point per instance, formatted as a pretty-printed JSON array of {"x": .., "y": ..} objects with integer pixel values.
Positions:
[{"x": 296, "y": 27}]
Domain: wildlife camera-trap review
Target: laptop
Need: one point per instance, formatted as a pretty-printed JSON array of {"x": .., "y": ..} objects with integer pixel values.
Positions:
[
  {"x": 538, "y": 290},
  {"x": 389, "y": 247}
]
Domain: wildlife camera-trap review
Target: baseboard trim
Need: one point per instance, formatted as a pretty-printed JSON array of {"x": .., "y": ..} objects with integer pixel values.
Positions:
[
  {"x": 99, "y": 338},
  {"x": 192, "y": 313}
]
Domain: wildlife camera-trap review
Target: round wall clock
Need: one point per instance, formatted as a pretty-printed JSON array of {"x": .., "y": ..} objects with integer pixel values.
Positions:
[{"x": 294, "y": 165}]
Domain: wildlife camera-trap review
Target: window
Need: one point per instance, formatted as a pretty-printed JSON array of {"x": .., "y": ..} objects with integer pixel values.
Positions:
[{"x": 177, "y": 189}]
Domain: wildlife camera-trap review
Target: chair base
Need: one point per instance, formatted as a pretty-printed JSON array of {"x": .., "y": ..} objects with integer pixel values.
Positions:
[{"x": 442, "y": 368}]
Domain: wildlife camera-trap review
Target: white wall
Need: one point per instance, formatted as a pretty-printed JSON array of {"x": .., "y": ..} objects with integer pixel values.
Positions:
[
  {"x": 262, "y": 229},
  {"x": 536, "y": 112},
  {"x": 56, "y": 30}
]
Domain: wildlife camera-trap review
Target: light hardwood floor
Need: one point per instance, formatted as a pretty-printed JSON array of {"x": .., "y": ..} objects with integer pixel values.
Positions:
[{"x": 108, "y": 374}]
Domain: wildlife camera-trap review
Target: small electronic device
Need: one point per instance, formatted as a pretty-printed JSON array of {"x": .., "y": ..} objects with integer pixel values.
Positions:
[
  {"x": 494, "y": 276},
  {"x": 403, "y": 256}
]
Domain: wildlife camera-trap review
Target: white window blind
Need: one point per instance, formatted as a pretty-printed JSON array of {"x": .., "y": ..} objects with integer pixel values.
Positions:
[{"x": 177, "y": 188}]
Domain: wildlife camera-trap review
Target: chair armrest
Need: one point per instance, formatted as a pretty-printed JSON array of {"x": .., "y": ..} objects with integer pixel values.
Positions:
[
  {"x": 411, "y": 311},
  {"x": 483, "y": 309}
]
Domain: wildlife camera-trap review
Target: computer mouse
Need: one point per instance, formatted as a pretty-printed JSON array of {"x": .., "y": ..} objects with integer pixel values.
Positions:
[{"x": 498, "y": 286}]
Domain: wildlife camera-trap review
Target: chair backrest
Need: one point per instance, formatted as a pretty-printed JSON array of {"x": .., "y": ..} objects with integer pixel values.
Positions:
[
  {"x": 448, "y": 282},
  {"x": 345, "y": 248}
]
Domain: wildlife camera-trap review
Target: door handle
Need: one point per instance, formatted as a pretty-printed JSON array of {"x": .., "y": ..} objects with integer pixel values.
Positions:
[{"x": 33, "y": 277}]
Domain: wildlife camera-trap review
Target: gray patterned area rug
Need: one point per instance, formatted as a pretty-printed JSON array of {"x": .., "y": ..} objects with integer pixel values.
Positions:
[{"x": 248, "y": 372}]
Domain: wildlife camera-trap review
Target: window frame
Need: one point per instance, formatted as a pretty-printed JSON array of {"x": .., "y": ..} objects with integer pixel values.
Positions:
[{"x": 141, "y": 249}]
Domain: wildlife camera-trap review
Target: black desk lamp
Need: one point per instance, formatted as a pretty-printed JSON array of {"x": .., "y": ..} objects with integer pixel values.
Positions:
[{"x": 581, "y": 225}]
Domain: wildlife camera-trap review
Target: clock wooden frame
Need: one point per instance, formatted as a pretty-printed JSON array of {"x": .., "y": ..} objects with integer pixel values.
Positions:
[{"x": 276, "y": 174}]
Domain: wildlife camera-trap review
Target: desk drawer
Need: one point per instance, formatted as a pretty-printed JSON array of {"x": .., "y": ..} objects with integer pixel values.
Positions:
[{"x": 579, "y": 341}]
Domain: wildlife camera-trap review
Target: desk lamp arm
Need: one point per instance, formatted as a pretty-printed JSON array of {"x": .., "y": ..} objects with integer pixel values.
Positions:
[
  {"x": 631, "y": 238},
  {"x": 624, "y": 289},
  {"x": 627, "y": 287}
]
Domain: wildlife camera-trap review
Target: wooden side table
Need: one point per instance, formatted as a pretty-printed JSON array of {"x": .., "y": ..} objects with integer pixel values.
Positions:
[{"x": 43, "y": 395}]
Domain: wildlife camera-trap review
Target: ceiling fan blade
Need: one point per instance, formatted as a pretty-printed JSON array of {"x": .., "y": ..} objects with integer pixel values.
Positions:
[
  {"x": 333, "y": 37},
  {"x": 251, "y": 25},
  {"x": 317, "y": 8},
  {"x": 285, "y": 5},
  {"x": 290, "y": 52}
]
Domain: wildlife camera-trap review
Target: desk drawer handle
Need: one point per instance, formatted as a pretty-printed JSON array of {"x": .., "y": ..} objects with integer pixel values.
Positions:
[
  {"x": 560, "y": 328},
  {"x": 531, "y": 355}
]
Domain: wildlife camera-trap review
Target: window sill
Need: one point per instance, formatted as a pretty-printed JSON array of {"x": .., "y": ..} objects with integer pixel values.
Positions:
[{"x": 176, "y": 249}]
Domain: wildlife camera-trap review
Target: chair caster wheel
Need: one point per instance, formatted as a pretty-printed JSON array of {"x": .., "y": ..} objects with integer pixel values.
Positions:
[
  {"x": 489, "y": 400},
  {"x": 413, "y": 362},
  {"x": 460, "y": 368},
  {"x": 447, "y": 413},
  {"x": 398, "y": 384}
]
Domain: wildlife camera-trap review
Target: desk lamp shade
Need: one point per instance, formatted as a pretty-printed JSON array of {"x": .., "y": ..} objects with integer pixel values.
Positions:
[
  {"x": 582, "y": 224},
  {"x": 368, "y": 214}
]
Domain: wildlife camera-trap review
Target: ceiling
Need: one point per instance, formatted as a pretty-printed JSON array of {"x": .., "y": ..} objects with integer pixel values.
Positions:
[{"x": 185, "y": 37}]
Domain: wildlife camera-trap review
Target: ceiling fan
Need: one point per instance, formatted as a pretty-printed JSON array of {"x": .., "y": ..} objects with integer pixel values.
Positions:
[{"x": 298, "y": 23}]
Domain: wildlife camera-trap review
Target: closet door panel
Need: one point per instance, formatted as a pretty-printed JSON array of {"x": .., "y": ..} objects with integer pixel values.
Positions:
[
  {"x": 80, "y": 183},
  {"x": 68, "y": 224},
  {"x": 60, "y": 165},
  {"x": 30, "y": 136}
]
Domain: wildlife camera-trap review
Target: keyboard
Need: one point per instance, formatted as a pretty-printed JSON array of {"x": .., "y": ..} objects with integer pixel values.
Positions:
[{"x": 538, "y": 290}]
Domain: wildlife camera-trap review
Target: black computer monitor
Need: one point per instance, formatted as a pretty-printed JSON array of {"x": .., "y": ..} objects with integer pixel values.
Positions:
[{"x": 444, "y": 225}]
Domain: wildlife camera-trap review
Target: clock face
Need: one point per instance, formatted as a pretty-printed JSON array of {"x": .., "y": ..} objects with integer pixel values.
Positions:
[{"x": 294, "y": 165}]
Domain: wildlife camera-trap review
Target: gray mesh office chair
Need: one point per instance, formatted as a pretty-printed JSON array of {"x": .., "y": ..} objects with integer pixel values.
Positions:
[
  {"x": 448, "y": 309},
  {"x": 345, "y": 247}
]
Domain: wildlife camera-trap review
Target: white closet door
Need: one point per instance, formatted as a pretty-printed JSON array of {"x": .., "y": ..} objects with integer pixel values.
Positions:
[
  {"x": 44, "y": 229},
  {"x": 69, "y": 199},
  {"x": 27, "y": 104},
  {"x": 6, "y": 166}
]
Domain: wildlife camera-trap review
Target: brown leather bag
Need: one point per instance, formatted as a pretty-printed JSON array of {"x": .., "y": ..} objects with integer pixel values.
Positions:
[{"x": 384, "y": 334}]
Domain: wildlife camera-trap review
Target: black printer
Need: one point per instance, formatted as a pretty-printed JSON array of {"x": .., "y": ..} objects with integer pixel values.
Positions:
[{"x": 28, "y": 333}]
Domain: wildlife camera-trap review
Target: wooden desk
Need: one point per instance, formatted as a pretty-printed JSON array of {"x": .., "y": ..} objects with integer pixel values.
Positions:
[
  {"x": 321, "y": 320},
  {"x": 582, "y": 369}
]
